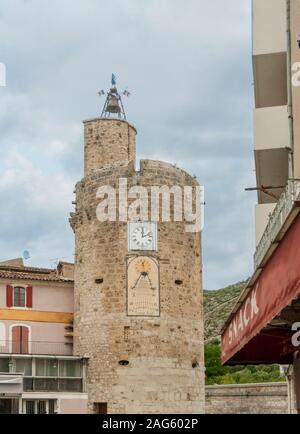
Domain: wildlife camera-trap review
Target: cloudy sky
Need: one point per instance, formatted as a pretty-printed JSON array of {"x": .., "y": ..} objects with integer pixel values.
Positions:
[{"x": 188, "y": 66}]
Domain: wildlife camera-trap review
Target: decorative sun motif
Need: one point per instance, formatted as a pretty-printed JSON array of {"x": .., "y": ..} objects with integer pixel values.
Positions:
[{"x": 143, "y": 266}]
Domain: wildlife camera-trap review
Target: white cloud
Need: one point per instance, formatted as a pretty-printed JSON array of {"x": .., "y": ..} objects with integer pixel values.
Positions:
[
  {"x": 57, "y": 148},
  {"x": 35, "y": 207},
  {"x": 188, "y": 65}
]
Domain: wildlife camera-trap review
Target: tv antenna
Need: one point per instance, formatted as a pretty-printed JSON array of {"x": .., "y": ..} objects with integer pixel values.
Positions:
[{"x": 26, "y": 255}]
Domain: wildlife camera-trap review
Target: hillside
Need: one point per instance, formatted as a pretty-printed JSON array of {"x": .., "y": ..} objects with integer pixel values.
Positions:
[{"x": 217, "y": 306}]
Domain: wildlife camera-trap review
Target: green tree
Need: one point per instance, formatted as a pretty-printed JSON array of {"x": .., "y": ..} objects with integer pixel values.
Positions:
[{"x": 216, "y": 373}]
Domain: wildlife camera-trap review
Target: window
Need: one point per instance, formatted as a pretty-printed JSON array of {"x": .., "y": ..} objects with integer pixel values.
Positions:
[
  {"x": 49, "y": 375},
  {"x": 46, "y": 367},
  {"x": 47, "y": 378},
  {"x": 29, "y": 407},
  {"x": 24, "y": 366},
  {"x": 39, "y": 406},
  {"x": 4, "y": 365},
  {"x": 20, "y": 339},
  {"x": 19, "y": 296},
  {"x": 69, "y": 385},
  {"x": 69, "y": 368},
  {"x": 9, "y": 406},
  {"x": 52, "y": 403},
  {"x": 45, "y": 385}
]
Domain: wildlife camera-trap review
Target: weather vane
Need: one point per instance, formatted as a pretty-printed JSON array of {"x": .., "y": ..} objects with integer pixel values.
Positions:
[{"x": 113, "y": 105}]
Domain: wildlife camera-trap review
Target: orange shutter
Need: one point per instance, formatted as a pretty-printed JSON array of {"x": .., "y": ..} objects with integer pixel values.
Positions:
[
  {"x": 29, "y": 296},
  {"x": 16, "y": 339},
  {"x": 24, "y": 340},
  {"x": 9, "y": 296}
]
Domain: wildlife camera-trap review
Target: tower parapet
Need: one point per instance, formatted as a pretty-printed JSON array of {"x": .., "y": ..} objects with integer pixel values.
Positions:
[{"x": 108, "y": 141}]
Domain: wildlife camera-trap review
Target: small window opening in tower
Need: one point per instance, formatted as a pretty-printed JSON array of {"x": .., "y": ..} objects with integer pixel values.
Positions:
[{"x": 126, "y": 333}]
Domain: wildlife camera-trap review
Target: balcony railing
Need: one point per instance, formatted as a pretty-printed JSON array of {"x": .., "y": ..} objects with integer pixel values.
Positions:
[
  {"x": 283, "y": 208},
  {"x": 36, "y": 347},
  {"x": 34, "y": 384}
]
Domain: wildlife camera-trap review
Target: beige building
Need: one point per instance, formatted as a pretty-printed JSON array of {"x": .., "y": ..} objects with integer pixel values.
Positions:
[
  {"x": 262, "y": 328},
  {"x": 138, "y": 284},
  {"x": 38, "y": 372},
  {"x": 274, "y": 112}
]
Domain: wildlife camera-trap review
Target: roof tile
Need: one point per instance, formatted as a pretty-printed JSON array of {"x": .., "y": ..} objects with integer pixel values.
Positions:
[{"x": 31, "y": 273}]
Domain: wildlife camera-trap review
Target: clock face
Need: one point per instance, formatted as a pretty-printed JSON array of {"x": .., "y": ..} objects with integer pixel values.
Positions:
[{"x": 142, "y": 236}]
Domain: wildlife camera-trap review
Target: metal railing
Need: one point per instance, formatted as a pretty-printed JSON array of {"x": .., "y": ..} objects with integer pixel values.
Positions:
[
  {"x": 276, "y": 219},
  {"x": 34, "y": 384},
  {"x": 36, "y": 347}
]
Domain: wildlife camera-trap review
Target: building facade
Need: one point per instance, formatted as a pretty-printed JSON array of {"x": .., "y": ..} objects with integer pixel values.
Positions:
[
  {"x": 38, "y": 372},
  {"x": 138, "y": 286},
  {"x": 263, "y": 325}
]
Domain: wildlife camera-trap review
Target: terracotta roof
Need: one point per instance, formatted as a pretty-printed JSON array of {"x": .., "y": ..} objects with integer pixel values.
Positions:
[{"x": 31, "y": 273}]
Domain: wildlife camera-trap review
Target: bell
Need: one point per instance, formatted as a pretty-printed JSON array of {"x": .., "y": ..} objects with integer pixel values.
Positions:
[{"x": 113, "y": 105}]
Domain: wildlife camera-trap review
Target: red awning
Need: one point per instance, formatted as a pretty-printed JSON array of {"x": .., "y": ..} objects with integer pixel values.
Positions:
[
  {"x": 268, "y": 347},
  {"x": 276, "y": 287}
]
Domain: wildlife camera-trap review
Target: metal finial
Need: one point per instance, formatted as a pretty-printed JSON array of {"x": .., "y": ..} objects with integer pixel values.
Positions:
[
  {"x": 113, "y": 105},
  {"x": 113, "y": 80}
]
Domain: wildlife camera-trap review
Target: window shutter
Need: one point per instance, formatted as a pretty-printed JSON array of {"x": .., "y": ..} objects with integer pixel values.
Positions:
[
  {"x": 29, "y": 296},
  {"x": 9, "y": 296},
  {"x": 16, "y": 339}
]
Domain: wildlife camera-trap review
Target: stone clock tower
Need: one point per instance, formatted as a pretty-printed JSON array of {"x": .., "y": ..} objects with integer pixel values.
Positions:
[{"x": 138, "y": 284}]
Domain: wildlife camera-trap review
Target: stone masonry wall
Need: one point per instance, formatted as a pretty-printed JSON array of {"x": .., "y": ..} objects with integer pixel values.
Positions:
[
  {"x": 107, "y": 141},
  {"x": 161, "y": 350},
  {"x": 264, "y": 398}
]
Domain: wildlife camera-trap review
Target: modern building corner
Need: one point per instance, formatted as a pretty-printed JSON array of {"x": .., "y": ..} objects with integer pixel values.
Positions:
[{"x": 261, "y": 326}]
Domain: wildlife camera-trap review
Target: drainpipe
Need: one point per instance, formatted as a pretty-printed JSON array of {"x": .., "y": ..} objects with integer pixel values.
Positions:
[
  {"x": 287, "y": 372},
  {"x": 290, "y": 391},
  {"x": 289, "y": 90},
  {"x": 296, "y": 377}
]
